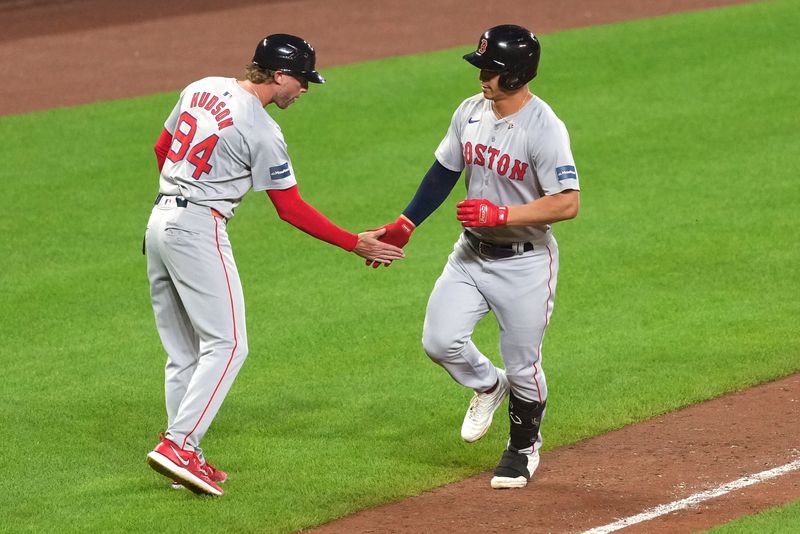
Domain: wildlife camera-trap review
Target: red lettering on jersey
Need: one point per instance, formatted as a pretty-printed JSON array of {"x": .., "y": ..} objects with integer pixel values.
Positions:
[
  {"x": 479, "y": 155},
  {"x": 217, "y": 109},
  {"x": 476, "y": 156},
  {"x": 184, "y": 139},
  {"x": 494, "y": 152},
  {"x": 502, "y": 164},
  {"x": 216, "y": 106},
  {"x": 200, "y": 154},
  {"x": 518, "y": 172},
  {"x": 211, "y": 103}
]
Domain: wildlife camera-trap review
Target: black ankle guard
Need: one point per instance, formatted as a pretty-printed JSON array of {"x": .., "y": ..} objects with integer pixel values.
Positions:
[{"x": 525, "y": 417}]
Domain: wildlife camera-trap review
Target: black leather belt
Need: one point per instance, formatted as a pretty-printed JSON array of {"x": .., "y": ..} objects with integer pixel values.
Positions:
[{"x": 494, "y": 251}]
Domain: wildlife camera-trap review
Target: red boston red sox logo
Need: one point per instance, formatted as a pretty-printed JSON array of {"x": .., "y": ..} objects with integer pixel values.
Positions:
[{"x": 482, "y": 47}]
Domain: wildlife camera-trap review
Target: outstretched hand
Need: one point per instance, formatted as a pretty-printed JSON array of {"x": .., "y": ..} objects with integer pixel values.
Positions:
[
  {"x": 372, "y": 249},
  {"x": 397, "y": 233}
]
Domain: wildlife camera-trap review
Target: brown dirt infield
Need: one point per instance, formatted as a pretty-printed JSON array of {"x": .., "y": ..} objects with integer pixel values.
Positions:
[
  {"x": 99, "y": 50},
  {"x": 623, "y": 473},
  {"x": 106, "y": 49}
]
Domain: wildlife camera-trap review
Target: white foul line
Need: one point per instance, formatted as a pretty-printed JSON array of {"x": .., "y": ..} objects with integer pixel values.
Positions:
[{"x": 664, "y": 509}]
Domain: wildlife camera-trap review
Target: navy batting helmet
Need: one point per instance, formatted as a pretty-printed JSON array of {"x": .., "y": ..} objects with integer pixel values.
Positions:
[
  {"x": 510, "y": 50},
  {"x": 289, "y": 54}
]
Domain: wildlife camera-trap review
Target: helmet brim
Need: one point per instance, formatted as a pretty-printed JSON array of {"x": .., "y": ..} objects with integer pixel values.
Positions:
[
  {"x": 313, "y": 77},
  {"x": 482, "y": 62},
  {"x": 310, "y": 76}
]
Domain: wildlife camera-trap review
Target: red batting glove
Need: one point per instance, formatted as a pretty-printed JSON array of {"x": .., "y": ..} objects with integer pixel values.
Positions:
[
  {"x": 397, "y": 233},
  {"x": 481, "y": 212}
]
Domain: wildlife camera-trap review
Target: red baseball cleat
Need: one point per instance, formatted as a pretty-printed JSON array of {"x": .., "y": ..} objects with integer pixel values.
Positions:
[
  {"x": 182, "y": 466},
  {"x": 216, "y": 475}
]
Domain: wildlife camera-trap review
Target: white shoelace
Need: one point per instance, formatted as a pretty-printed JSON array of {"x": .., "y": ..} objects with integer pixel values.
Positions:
[{"x": 479, "y": 407}]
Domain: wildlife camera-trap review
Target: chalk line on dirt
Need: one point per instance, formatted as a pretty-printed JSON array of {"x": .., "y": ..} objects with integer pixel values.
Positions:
[{"x": 696, "y": 498}]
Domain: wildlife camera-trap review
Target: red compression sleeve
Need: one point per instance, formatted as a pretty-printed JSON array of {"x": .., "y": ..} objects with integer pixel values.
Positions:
[
  {"x": 162, "y": 147},
  {"x": 293, "y": 209}
]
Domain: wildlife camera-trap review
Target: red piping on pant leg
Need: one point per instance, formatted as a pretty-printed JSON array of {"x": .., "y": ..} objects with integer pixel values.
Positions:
[
  {"x": 235, "y": 337},
  {"x": 546, "y": 322}
]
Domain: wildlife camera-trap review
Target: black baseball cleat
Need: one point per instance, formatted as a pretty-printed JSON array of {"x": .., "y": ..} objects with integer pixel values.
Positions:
[{"x": 515, "y": 469}]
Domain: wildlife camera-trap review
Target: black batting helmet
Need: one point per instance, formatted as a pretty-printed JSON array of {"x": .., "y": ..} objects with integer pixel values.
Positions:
[
  {"x": 287, "y": 53},
  {"x": 510, "y": 50}
]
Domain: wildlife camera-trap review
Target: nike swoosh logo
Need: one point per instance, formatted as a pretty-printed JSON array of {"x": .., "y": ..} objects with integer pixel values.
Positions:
[
  {"x": 471, "y": 121},
  {"x": 184, "y": 462}
]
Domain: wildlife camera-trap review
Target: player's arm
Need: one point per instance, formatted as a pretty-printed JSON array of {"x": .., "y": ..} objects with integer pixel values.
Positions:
[
  {"x": 165, "y": 139},
  {"x": 293, "y": 209},
  {"x": 545, "y": 210},
  {"x": 435, "y": 186},
  {"x": 162, "y": 147},
  {"x": 432, "y": 191}
]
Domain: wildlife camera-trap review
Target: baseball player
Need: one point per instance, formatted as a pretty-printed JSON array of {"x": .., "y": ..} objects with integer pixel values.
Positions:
[
  {"x": 217, "y": 144},
  {"x": 520, "y": 178}
]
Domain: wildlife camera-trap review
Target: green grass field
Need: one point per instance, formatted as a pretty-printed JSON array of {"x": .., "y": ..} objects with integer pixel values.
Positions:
[
  {"x": 777, "y": 521},
  {"x": 678, "y": 283}
]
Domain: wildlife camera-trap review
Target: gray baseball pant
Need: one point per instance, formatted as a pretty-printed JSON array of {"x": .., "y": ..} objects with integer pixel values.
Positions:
[
  {"x": 519, "y": 290},
  {"x": 199, "y": 312}
]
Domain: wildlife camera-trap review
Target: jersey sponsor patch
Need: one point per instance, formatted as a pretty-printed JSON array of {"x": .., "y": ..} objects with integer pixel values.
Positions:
[
  {"x": 280, "y": 172},
  {"x": 566, "y": 172}
]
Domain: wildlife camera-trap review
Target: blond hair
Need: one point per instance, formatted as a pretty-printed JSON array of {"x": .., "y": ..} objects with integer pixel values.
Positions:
[{"x": 256, "y": 74}]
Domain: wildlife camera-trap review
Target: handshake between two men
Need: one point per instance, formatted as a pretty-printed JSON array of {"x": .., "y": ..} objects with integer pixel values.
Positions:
[{"x": 471, "y": 213}]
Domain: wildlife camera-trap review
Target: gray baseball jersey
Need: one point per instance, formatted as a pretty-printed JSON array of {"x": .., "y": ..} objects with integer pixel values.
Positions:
[
  {"x": 509, "y": 161},
  {"x": 224, "y": 144}
]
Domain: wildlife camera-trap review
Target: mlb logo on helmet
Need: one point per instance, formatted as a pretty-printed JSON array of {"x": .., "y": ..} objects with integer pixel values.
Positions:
[{"x": 483, "y": 45}]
